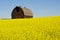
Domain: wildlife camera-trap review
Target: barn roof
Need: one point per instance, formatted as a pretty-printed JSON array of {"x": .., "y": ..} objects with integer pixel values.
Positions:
[{"x": 27, "y": 11}]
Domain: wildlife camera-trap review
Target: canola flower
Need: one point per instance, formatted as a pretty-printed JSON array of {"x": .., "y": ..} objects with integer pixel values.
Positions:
[{"x": 46, "y": 28}]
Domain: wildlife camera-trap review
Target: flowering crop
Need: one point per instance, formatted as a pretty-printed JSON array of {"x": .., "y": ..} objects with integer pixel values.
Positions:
[{"x": 46, "y": 28}]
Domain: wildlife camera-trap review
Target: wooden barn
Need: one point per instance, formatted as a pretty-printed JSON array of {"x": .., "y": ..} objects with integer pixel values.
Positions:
[{"x": 21, "y": 12}]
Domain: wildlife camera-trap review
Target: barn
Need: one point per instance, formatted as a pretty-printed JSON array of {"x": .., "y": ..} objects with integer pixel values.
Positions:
[{"x": 21, "y": 12}]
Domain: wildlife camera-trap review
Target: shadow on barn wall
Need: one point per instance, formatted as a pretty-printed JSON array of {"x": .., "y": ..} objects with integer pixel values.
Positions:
[{"x": 21, "y": 12}]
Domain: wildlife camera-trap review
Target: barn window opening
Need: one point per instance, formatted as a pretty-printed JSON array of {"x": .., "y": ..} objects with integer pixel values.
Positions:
[{"x": 17, "y": 9}]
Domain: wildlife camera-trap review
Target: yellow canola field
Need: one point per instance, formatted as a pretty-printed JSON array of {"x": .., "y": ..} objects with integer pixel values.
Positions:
[{"x": 45, "y": 28}]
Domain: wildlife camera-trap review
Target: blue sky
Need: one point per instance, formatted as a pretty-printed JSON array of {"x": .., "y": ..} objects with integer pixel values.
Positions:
[{"x": 39, "y": 7}]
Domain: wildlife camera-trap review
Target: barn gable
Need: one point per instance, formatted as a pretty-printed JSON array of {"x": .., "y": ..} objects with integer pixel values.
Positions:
[{"x": 17, "y": 13}]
